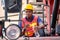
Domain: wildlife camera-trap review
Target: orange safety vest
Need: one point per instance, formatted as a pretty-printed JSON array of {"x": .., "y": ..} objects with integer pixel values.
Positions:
[{"x": 29, "y": 30}]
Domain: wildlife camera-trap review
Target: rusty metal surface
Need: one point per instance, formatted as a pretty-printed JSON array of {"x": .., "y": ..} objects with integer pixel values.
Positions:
[
  {"x": 44, "y": 38},
  {"x": 38, "y": 38}
]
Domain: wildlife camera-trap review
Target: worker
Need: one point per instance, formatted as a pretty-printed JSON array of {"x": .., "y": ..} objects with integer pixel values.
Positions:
[{"x": 33, "y": 22}]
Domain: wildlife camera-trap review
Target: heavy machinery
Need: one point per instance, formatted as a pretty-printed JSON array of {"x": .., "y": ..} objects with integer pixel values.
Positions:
[
  {"x": 10, "y": 33},
  {"x": 12, "y": 5}
]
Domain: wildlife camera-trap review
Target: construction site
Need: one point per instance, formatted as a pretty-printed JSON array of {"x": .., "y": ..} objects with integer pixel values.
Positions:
[{"x": 29, "y": 19}]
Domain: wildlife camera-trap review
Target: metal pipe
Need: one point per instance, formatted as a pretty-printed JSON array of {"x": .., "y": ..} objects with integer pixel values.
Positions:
[
  {"x": 55, "y": 12},
  {"x": 6, "y": 9},
  {"x": 54, "y": 15}
]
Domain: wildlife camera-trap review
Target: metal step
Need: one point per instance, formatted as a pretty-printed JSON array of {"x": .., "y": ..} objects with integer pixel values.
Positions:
[{"x": 37, "y": 3}]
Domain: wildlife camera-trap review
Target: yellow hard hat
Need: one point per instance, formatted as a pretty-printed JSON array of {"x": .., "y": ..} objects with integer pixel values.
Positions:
[{"x": 29, "y": 6}]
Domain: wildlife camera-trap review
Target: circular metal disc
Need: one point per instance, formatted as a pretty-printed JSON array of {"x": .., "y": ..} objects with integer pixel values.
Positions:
[{"x": 13, "y": 32}]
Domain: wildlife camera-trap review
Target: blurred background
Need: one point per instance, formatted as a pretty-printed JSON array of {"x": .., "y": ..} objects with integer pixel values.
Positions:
[{"x": 47, "y": 10}]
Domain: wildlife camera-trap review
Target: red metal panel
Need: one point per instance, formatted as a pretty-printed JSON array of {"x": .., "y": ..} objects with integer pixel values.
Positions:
[{"x": 48, "y": 14}]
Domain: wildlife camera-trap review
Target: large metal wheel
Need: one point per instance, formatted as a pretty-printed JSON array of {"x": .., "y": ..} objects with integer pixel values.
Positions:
[{"x": 13, "y": 32}]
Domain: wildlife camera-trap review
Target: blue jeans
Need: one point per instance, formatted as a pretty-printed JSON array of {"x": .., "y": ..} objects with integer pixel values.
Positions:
[{"x": 41, "y": 32}]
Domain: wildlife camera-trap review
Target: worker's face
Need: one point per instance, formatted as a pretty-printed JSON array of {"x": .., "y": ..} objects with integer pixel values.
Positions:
[{"x": 28, "y": 13}]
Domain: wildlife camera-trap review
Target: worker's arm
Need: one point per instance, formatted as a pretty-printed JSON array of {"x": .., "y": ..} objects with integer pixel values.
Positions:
[
  {"x": 40, "y": 27},
  {"x": 20, "y": 24},
  {"x": 40, "y": 23}
]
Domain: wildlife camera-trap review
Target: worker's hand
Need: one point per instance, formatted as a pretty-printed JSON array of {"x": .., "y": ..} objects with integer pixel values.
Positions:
[
  {"x": 41, "y": 25},
  {"x": 25, "y": 27},
  {"x": 35, "y": 29}
]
